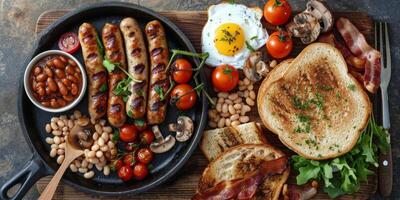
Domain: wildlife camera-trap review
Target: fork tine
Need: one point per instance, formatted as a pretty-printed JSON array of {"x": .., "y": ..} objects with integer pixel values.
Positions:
[
  {"x": 376, "y": 34},
  {"x": 381, "y": 48},
  {"x": 387, "y": 44}
]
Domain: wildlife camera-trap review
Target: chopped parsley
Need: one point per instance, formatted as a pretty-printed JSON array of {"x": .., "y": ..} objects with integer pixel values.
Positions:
[
  {"x": 103, "y": 88},
  {"x": 352, "y": 87},
  {"x": 324, "y": 87},
  {"x": 228, "y": 37}
]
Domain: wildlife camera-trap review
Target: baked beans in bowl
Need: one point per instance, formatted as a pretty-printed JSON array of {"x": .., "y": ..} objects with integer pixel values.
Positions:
[{"x": 55, "y": 81}]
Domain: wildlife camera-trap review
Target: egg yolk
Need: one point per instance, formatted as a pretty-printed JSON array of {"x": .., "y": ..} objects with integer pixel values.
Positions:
[{"x": 229, "y": 39}]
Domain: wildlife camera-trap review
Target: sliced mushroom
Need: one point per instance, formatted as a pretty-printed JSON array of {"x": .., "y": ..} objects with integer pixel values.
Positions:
[
  {"x": 161, "y": 144},
  {"x": 319, "y": 9},
  {"x": 81, "y": 136},
  {"x": 255, "y": 69},
  {"x": 308, "y": 24},
  {"x": 183, "y": 128}
]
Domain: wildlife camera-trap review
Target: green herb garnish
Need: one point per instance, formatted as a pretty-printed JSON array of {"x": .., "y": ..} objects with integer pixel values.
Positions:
[
  {"x": 100, "y": 46},
  {"x": 115, "y": 137},
  {"x": 122, "y": 89},
  {"x": 249, "y": 47},
  {"x": 352, "y": 87},
  {"x": 139, "y": 122},
  {"x": 103, "y": 88}
]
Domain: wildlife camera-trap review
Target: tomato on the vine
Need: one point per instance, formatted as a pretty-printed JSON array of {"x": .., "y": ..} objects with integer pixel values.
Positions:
[
  {"x": 117, "y": 164},
  {"x": 140, "y": 171},
  {"x": 279, "y": 44},
  {"x": 277, "y": 12},
  {"x": 183, "y": 96},
  {"x": 130, "y": 146},
  {"x": 146, "y": 137},
  {"x": 129, "y": 159},
  {"x": 128, "y": 133},
  {"x": 225, "y": 78},
  {"x": 182, "y": 70},
  {"x": 140, "y": 124},
  {"x": 125, "y": 173},
  {"x": 144, "y": 155}
]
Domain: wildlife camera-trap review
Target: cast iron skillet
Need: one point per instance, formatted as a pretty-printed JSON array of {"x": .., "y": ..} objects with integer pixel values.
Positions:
[{"x": 33, "y": 119}]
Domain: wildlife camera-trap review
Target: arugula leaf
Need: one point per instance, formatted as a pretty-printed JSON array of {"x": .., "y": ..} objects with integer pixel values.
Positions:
[
  {"x": 122, "y": 89},
  {"x": 103, "y": 88},
  {"x": 100, "y": 46},
  {"x": 248, "y": 45},
  {"x": 343, "y": 175},
  {"x": 139, "y": 122},
  {"x": 110, "y": 66},
  {"x": 159, "y": 90},
  {"x": 115, "y": 137},
  {"x": 129, "y": 113}
]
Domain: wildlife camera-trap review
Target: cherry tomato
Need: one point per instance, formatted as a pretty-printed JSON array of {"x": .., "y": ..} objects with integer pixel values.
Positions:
[
  {"x": 144, "y": 155},
  {"x": 183, "y": 96},
  {"x": 69, "y": 42},
  {"x": 225, "y": 78},
  {"x": 140, "y": 171},
  {"x": 279, "y": 44},
  {"x": 129, "y": 159},
  {"x": 118, "y": 164},
  {"x": 277, "y": 12},
  {"x": 125, "y": 173},
  {"x": 131, "y": 146},
  {"x": 146, "y": 137},
  {"x": 128, "y": 133},
  {"x": 140, "y": 124},
  {"x": 182, "y": 71}
]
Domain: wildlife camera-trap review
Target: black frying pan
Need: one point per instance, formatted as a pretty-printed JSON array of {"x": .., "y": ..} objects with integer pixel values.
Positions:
[{"x": 33, "y": 119}]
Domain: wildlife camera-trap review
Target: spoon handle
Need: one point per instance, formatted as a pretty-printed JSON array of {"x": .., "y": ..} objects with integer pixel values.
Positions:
[{"x": 48, "y": 192}]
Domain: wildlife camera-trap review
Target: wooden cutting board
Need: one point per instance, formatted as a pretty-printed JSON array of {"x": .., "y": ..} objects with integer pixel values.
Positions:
[{"x": 184, "y": 185}]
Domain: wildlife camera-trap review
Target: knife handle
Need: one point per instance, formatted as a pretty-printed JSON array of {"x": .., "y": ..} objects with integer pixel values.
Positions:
[
  {"x": 385, "y": 110},
  {"x": 385, "y": 173}
]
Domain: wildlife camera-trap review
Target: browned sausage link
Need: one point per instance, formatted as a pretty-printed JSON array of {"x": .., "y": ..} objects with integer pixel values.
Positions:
[
  {"x": 96, "y": 72},
  {"x": 138, "y": 67},
  {"x": 158, "y": 51},
  {"x": 114, "y": 51}
]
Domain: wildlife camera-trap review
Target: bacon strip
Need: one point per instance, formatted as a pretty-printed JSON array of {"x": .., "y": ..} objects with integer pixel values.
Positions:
[
  {"x": 244, "y": 188},
  {"x": 300, "y": 192},
  {"x": 360, "y": 48}
]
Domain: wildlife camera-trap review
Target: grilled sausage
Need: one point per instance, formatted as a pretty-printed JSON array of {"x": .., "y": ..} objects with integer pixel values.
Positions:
[
  {"x": 97, "y": 74},
  {"x": 114, "y": 51},
  {"x": 137, "y": 66},
  {"x": 158, "y": 52}
]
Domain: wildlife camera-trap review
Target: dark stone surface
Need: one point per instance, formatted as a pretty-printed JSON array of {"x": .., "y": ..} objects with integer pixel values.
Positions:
[{"x": 17, "y": 25}]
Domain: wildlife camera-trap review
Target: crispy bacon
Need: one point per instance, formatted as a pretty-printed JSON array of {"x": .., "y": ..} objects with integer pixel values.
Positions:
[
  {"x": 300, "y": 192},
  {"x": 246, "y": 187},
  {"x": 360, "y": 48}
]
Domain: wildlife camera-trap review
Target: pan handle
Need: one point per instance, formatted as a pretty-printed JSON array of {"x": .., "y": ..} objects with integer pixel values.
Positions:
[{"x": 32, "y": 171}]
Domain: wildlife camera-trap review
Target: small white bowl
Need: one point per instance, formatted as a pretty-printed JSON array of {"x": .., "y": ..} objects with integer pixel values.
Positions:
[{"x": 28, "y": 87}]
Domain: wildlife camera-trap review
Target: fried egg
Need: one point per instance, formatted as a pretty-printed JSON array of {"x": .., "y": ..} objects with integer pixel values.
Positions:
[{"x": 232, "y": 31}]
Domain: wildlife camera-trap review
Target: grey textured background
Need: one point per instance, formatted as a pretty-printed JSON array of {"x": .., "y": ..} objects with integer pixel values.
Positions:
[{"x": 17, "y": 25}]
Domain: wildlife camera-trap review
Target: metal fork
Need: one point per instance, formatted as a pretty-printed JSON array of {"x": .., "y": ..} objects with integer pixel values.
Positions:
[{"x": 385, "y": 159}]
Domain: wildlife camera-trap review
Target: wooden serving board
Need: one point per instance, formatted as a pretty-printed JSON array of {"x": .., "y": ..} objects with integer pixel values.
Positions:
[{"x": 184, "y": 185}]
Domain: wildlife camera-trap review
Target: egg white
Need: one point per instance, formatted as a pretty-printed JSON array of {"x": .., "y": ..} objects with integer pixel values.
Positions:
[{"x": 247, "y": 18}]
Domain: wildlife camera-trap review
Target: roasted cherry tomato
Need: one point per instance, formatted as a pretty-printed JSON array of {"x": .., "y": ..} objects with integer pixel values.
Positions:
[
  {"x": 277, "y": 12},
  {"x": 128, "y": 133},
  {"x": 146, "y": 137},
  {"x": 130, "y": 146},
  {"x": 183, "y": 96},
  {"x": 225, "y": 78},
  {"x": 140, "y": 171},
  {"x": 144, "y": 155},
  {"x": 129, "y": 159},
  {"x": 118, "y": 164},
  {"x": 125, "y": 173},
  {"x": 182, "y": 71},
  {"x": 69, "y": 42},
  {"x": 279, "y": 44},
  {"x": 140, "y": 124}
]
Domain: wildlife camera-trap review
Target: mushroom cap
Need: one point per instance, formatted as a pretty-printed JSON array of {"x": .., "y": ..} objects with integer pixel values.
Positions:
[
  {"x": 184, "y": 128},
  {"x": 163, "y": 146},
  {"x": 77, "y": 138},
  {"x": 305, "y": 26},
  {"x": 320, "y": 10},
  {"x": 254, "y": 68}
]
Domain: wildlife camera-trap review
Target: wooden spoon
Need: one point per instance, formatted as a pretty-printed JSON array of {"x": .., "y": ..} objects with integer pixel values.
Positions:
[{"x": 73, "y": 149}]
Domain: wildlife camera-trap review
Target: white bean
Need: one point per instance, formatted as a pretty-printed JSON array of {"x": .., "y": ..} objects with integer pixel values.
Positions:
[
  {"x": 228, "y": 101},
  {"x": 246, "y": 94},
  {"x": 49, "y": 140},
  {"x": 95, "y": 136},
  {"x": 94, "y": 160},
  {"x": 220, "y": 100},
  {"x": 106, "y": 170},
  {"x": 243, "y": 87},
  {"x": 227, "y": 122},
  {"x": 62, "y": 117},
  {"x": 98, "y": 166},
  {"x": 95, "y": 147},
  {"x": 273, "y": 63},
  {"x": 82, "y": 170},
  {"x": 231, "y": 109},
  {"x": 98, "y": 128},
  {"x": 54, "y": 126},
  {"x": 104, "y": 148},
  {"x": 244, "y": 119},
  {"x": 60, "y": 151},
  {"x": 65, "y": 128},
  {"x": 57, "y": 140},
  {"x": 57, "y": 132},
  {"x": 90, "y": 166},
  {"x": 238, "y": 100},
  {"x": 246, "y": 81},
  {"x": 225, "y": 114},
  {"x": 73, "y": 167},
  {"x": 70, "y": 123},
  {"x": 91, "y": 154},
  {"x": 237, "y": 106},
  {"x": 60, "y": 124},
  {"x": 219, "y": 107},
  {"x": 61, "y": 146},
  {"x": 60, "y": 159},
  {"x": 54, "y": 119},
  {"x": 223, "y": 95},
  {"x": 88, "y": 175},
  {"x": 107, "y": 129},
  {"x": 252, "y": 94},
  {"x": 105, "y": 136},
  {"x": 77, "y": 163},
  {"x": 235, "y": 123},
  {"x": 249, "y": 101},
  {"x": 212, "y": 114},
  {"x": 111, "y": 144},
  {"x": 250, "y": 87},
  {"x": 54, "y": 146},
  {"x": 233, "y": 96},
  {"x": 84, "y": 164},
  {"x": 99, "y": 154},
  {"x": 234, "y": 117},
  {"x": 77, "y": 114},
  {"x": 224, "y": 108},
  {"x": 102, "y": 122},
  {"x": 221, "y": 122},
  {"x": 240, "y": 94},
  {"x": 48, "y": 128},
  {"x": 101, "y": 142},
  {"x": 53, "y": 152}
]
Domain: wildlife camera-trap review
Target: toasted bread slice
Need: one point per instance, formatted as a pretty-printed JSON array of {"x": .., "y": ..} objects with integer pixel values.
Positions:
[
  {"x": 216, "y": 141},
  {"x": 313, "y": 104},
  {"x": 240, "y": 160}
]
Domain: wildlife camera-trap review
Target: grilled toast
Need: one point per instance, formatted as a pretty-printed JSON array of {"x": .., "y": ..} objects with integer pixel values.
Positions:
[
  {"x": 240, "y": 160},
  {"x": 313, "y": 104},
  {"x": 216, "y": 141}
]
